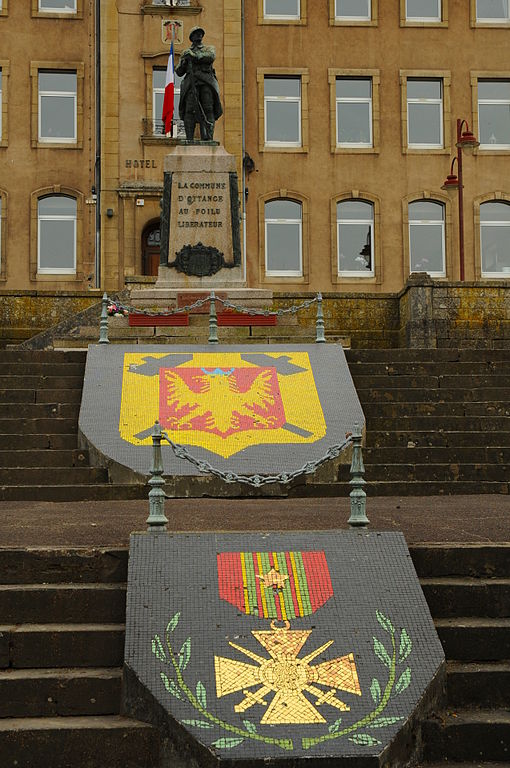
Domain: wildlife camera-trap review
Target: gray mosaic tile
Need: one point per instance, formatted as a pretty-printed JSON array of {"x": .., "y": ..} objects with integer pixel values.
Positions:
[
  {"x": 255, "y": 409},
  {"x": 283, "y": 645}
]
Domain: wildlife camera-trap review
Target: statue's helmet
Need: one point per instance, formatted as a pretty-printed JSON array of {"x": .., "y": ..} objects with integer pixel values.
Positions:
[{"x": 194, "y": 30}]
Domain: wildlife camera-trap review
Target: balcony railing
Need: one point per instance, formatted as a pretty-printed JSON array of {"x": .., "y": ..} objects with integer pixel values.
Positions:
[
  {"x": 155, "y": 129},
  {"x": 173, "y": 3}
]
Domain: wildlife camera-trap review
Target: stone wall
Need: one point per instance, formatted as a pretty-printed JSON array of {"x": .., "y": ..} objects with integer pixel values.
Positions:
[
  {"x": 426, "y": 313},
  {"x": 24, "y": 314}
]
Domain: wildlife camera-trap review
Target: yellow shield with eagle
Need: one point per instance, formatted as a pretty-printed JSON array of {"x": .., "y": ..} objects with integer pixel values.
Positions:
[{"x": 221, "y": 401}]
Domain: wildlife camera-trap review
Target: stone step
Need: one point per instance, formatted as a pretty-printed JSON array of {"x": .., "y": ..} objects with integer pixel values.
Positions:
[
  {"x": 474, "y": 638},
  {"x": 452, "y": 764},
  {"x": 481, "y": 560},
  {"x": 44, "y": 458},
  {"x": 438, "y": 410},
  {"x": 437, "y": 455},
  {"x": 59, "y": 692},
  {"x": 76, "y": 603},
  {"x": 41, "y": 382},
  {"x": 428, "y": 368},
  {"x": 53, "y": 410},
  {"x": 37, "y": 476},
  {"x": 467, "y": 596},
  {"x": 78, "y": 565},
  {"x": 401, "y": 488},
  {"x": 21, "y": 427},
  {"x": 41, "y": 368},
  {"x": 80, "y": 742},
  {"x": 417, "y": 395},
  {"x": 41, "y": 356},
  {"x": 40, "y": 396},
  {"x": 445, "y": 423},
  {"x": 452, "y": 472},
  {"x": 41, "y": 441},
  {"x": 434, "y": 437},
  {"x": 420, "y": 355},
  {"x": 479, "y": 685},
  {"x": 46, "y": 646},
  {"x": 445, "y": 381},
  {"x": 90, "y": 492},
  {"x": 469, "y": 734}
]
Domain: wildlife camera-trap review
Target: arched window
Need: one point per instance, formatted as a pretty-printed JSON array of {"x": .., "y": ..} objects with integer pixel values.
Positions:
[
  {"x": 427, "y": 237},
  {"x": 495, "y": 239},
  {"x": 56, "y": 235},
  {"x": 283, "y": 238},
  {"x": 355, "y": 238}
]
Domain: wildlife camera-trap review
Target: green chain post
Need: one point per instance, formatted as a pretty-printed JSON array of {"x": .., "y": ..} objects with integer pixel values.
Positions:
[
  {"x": 156, "y": 520},
  {"x": 213, "y": 320},
  {"x": 358, "y": 518},
  {"x": 319, "y": 323},
  {"x": 103, "y": 323}
]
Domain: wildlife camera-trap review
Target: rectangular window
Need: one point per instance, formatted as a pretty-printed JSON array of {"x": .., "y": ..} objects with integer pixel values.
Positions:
[
  {"x": 354, "y": 112},
  {"x": 57, "y": 106},
  {"x": 494, "y": 114},
  {"x": 282, "y": 111},
  {"x": 424, "y": 114},
  {"x": 427, "y": 238},
  {"x": 158, "y": 95},
  {"x": 355, "y": 235},
  {"x": 56, "y": 235},
  {"x": 283, "y": 238},
  {"x": 423, "y": 10},
  {"x": 58, "y": 6},
  {"x": 282, "y": 9},
  {"x": 355, "y": 10},
  {"x": 495, "y": 239},
  {"x": 493, "y": 11}
]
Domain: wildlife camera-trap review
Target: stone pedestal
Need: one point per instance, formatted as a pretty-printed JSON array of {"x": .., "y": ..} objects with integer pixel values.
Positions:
[{"x": 200, "y": 232}]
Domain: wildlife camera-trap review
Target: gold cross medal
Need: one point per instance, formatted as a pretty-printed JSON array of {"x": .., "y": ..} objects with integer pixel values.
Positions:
[{"x": 287, "y": 686}]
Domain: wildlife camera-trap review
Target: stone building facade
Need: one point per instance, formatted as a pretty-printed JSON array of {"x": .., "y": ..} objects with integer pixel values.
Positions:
[
  {"x": 341, "y": 115},
  {"x": 47, "y": 145}
]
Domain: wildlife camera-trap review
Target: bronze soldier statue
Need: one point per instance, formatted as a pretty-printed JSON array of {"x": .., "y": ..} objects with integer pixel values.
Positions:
[{"x": 200, "y": 92}]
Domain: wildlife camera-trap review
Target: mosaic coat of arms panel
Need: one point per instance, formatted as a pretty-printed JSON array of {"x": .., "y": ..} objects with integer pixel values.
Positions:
[{"x": 247, "y": 409}]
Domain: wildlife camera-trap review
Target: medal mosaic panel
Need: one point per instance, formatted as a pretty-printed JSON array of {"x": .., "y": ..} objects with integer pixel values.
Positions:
[
  {"x": 281, "y": 646},
  {"x": 255, "y": 409}
]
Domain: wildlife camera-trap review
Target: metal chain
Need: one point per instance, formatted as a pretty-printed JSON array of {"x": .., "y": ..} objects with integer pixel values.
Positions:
[
  {"x": 256, "y": 480},
  {"x": 177, "y": 311},
  {"x": 268, "y": 312},
  {"x": 201, "y": 302}
]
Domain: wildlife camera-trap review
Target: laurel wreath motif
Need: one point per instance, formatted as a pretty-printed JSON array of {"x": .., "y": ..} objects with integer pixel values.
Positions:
[{"x": 356, "y": 732}]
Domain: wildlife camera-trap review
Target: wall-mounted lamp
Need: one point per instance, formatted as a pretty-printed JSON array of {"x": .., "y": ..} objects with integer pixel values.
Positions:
[{"x": 109, "y": 212}]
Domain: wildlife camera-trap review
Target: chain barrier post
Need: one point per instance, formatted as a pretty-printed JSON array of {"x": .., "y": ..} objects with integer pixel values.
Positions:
[
  {"x": 319, "y": 323},
  {"x": 213, "y": 320},
  {"x": 358, "y": 518},
  {"x": 156, "y": 520},
  {"x": 103, "y": 323}
]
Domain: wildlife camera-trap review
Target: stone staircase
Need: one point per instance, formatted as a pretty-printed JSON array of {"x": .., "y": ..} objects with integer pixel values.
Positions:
[
  {"x": 468, "y": 591},
  {"x": 61, "y": 652},
  {"x": 438, "y": 421},
  {"x": 40, "y": 395}
]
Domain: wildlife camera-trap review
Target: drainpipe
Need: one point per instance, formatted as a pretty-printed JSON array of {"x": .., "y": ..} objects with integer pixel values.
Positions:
[
  {"x": 97, "y": 168},
  {"x": 243, "y": 122}
]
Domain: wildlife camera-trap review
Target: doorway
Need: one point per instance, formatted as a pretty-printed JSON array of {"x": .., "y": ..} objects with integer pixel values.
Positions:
[{"x": 151, "y": 240}]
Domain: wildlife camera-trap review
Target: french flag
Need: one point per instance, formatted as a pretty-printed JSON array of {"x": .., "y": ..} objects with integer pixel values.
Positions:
[{"x": 168, "y": 101}]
